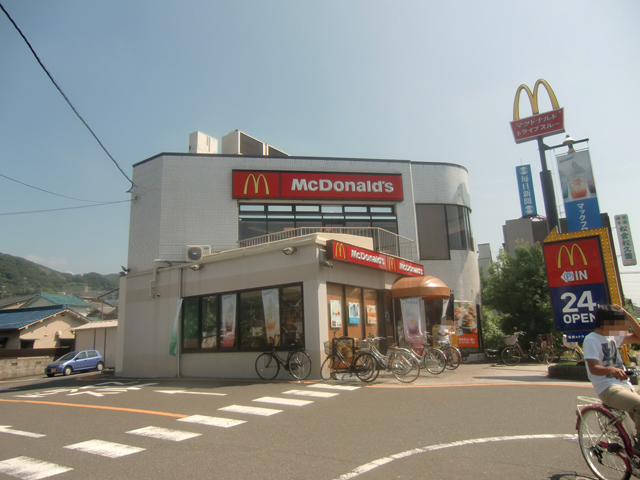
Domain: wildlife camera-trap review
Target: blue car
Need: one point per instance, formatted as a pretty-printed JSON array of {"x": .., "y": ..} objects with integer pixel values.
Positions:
[{"x": 76, "y": 362}]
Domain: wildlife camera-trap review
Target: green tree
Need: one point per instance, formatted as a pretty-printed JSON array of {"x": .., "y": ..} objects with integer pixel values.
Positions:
[{"x": 516, "y": 286}]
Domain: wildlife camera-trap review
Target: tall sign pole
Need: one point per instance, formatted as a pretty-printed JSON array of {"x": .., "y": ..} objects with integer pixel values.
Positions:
[{"x": 536, "y": 127}]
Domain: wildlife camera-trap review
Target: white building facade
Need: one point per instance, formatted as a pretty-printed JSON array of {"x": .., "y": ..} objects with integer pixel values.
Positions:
[{"x": 220, "y": 203}]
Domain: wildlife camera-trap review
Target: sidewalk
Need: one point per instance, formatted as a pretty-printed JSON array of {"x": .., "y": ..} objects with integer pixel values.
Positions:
[{"x": 476, "y": 374}]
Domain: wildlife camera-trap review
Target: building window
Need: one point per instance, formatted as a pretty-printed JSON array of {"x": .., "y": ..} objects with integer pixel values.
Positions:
[
  {"x": 250, "y": 320},
  {"x": 26, "y": 343},
  {"x": 255, "y": 220},
  {"x": 442, "y": 228}
]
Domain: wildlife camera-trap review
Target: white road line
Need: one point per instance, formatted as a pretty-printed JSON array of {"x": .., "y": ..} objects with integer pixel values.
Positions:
[
  {"x": 212, "y": 421},
  {"x": 164, "y": 433},
  {"x": 264, "y": 412},
  {"x": 171, "y": 392},
  {"x": 7, "y": 429},
  {"x": 284, "y": 401},
  {"x": 30, "y": 468},
  {"x": 408, "y": 453},
  {"x": 333, "y": 387},
  {"x": 105, "y": 449},
  {"x": 310, "y": 393}
]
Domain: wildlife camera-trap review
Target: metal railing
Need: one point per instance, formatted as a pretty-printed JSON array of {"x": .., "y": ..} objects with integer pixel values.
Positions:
[{"x": 383, "y": 240}]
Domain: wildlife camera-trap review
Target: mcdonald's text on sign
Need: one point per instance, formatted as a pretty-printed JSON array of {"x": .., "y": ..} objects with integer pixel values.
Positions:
[
  {"x": 290, "y": 185},
  {"x": 577, "y": 282},
  {"x": 368, "y": 258}
]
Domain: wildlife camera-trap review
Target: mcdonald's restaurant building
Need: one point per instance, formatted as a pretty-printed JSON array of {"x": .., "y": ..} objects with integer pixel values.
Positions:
[{"x": 227, "y": 251}]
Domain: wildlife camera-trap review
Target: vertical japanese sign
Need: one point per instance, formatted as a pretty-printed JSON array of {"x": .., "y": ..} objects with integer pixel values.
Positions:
[
  {"x": 525, "y": 188},
  {"x": 579, "y": 191},
  {"x": 577, "y": 281},
  {"x": 625, "y": 240},
  {"x": 412, "y": 320}
]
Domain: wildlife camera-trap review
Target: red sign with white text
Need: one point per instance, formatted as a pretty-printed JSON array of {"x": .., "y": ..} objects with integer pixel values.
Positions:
[
  {"x": 539, "y": 125},
  {"x": 352, "y": 186},
  {"x": 368, "y": 258}
]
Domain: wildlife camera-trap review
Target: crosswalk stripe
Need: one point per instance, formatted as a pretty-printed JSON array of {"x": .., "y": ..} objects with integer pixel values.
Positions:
[
  {"x": 333, "y": 387},
  {"x": 284, "y": 401},
  {"x": 30, "y": 468},
  {"x": 105, "y": 449},
  {"x": 164, "y": 433},
  {"x": 212, "y": 421},
  {"x": 264, "y": 412},
  {"x": 311, "y": 393}
]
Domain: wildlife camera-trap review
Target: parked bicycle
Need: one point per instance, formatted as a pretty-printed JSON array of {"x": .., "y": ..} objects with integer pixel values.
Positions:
[
  {"x": 342, "y": 358},
  {"x": 451, "y": 352},
  {"x": 297, "y": 363},
  {"x": 605, "y": 439},
  {"x": 569, "y": 352},
  {"x": 431, "y": 358},
  {"x": 398, "y": 361},
  {"x": 513, "y": 353}
]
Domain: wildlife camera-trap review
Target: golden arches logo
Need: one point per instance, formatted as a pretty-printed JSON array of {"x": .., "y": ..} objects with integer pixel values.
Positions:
[
  {"x": 339, "y": 250},
  {"x": 533, "y": 98},
  {"x": 256, "y": 183},
  {"x": 570, "y": 254},
  {"x": 391, "y": 264}
]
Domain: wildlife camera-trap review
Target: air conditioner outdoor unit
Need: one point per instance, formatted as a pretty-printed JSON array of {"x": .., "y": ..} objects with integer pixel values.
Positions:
[{"x": 195, "y": 252}]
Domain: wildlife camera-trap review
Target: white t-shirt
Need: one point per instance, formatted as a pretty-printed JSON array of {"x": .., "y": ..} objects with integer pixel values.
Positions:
[{"x": 605, "y": 350}]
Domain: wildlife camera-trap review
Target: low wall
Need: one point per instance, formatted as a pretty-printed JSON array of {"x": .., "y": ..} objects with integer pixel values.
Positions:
[{"x": 23, "y": 367}]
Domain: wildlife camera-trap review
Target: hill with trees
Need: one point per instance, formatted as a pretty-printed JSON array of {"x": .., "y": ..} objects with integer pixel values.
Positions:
[{"x": 19, "y": 276}]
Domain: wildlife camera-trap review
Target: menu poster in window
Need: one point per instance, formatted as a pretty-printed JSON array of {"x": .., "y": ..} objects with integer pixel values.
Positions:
[
  {"x": 466, "y": 323},
  {"x": 372, "y": 318},
  {"x": 336, "y": 313},
  {"x": 271, "y": 307},
  {"x": 412, "y": 320},
  {"x": 228, "y": 333},
  {"x": 354, "y": 313}
]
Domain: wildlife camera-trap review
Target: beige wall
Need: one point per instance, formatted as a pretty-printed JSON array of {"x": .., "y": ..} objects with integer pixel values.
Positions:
[
  {"x": 145, "y": 323},
  {"x": 44, "y": 331},
  {"x": 101, "y": 339}
]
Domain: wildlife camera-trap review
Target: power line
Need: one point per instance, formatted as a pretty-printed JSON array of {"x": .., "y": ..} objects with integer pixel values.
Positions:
[
  {"x": 47, "y": 191},
  {"x": 65, "y": 208},
  {"x": 65, "y": 97}
]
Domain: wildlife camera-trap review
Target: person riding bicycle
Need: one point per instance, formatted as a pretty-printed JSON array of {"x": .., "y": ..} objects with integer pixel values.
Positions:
[{"x": 605, "y": 365}]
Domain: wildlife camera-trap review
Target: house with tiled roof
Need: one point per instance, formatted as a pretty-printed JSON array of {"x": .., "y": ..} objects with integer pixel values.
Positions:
[
  {"x": 39, "y": 327},
  {"x": 49, "y": 299}
]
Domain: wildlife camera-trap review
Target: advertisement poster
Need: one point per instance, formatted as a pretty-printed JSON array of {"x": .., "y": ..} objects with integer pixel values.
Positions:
[
  {"x": 625, "y": 240},
  {"x": 579, "y": 191},
  {"x": 372, "y": 318},
  {"x": 354, "y": 313},
  {"x": 336, "y": 313},
  {"x": 228, "y": 333},
  {"x": 271, "y": 306},
  {"x": 412, "y": 320},
  {"x": 465, "y": 323}
]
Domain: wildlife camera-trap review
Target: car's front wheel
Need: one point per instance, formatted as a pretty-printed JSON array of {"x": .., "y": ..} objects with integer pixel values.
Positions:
[
  {"x": 67, "y": 371},
  {"x": 100, "y": 366}
]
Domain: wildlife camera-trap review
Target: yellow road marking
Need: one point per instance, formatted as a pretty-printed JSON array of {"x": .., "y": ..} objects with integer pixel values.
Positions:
[{"x": 99, "y": 407}]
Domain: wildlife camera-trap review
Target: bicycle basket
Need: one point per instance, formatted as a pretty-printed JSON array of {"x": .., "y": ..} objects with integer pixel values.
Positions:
[
  {"x": 510, "y": 339},
  {"x": 328, "y": 348}
]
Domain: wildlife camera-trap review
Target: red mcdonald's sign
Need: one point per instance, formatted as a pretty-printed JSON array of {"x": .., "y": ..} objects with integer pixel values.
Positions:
[{"x": 368, "y": 258}]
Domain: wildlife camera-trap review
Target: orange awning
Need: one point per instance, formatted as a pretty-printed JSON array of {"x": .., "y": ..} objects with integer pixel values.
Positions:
[{"x": 420, "y": 287}]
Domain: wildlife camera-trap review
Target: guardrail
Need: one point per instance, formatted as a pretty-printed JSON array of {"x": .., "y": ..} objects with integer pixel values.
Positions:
[{"x": 383, "y": 240}]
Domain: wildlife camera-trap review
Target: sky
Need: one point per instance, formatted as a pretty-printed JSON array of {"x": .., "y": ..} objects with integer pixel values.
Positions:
[{"x": 416, "y": 80}]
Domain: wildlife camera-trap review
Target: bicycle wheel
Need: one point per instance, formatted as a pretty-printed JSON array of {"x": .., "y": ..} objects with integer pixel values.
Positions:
[
  {"x": 365, "y": 367},
  {"x": 602, "y": 445},
  {"x": 267, "y": 367},
  {"x": 299, "y": 365},
  {"x": 545, "y": 355},
  {"x": 511, "y": 356},
  {"x": 328, "y": 368},
  {"x": 454, "y": 357},
  {"x": 405, "y": 367},
  {"x": 434, "y": 361},
  {"x": 570, "y": 355}
]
